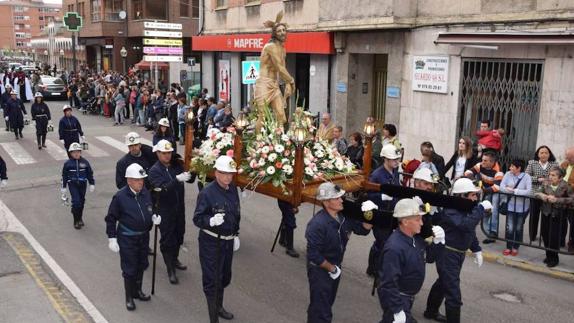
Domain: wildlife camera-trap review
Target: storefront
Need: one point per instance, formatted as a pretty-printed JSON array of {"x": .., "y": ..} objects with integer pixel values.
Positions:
[{"x": 308, "y": 61}]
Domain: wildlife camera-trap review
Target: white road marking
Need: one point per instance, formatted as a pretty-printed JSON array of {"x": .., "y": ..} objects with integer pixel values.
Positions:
[
  {"x": 17, "y": 153},
  {"x": 56, "y": 151},
  {"x": 96, "y": 151},
  {"x": 113, "y": 142},
  {"x": 11, "y": 223}
]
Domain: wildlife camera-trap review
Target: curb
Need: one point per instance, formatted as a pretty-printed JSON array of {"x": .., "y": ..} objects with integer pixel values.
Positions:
[{"x": 527, "y": 266}]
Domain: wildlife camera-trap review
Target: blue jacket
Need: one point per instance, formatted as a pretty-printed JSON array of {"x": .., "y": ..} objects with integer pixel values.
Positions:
[
  {"x": 69, "y": 128},
  {"x": 15, "y": 111},
  {"x": 132, "y": 211},
  {"x": 327, "y": 238},
  {"x": 77, "y": 170},
  {"x": 172, "y": 195},
  {"x": 403, "y": 269},
  {"x": 382, "y": 176},
  {"x": 3, "y": 174},
  {"x": 460, "y": 228},
  {"x": 127, "y": 160},
  {"x": 215, "y": 199}
]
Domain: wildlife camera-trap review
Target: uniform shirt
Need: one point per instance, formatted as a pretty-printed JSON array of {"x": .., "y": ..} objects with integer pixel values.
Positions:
[
  {"x": 216, "y": 199},
  {"x": 123, "y": 164},
  {"x": 132, "y": 211},
  {"x": 327, "y": 237},
  {"x": 77, "y": 170},
  {"x": 490, "y": 178},
  {"x": 460, "y": 228},
  {"x": 69, "y": 126},
  {"x": 172, "y": 191},
  {"x": 382, "y": 176},
  {"x": 40, "y": 111}
]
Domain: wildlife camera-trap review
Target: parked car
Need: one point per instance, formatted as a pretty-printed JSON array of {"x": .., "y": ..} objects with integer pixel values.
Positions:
[{"x": 52, "y": 87}]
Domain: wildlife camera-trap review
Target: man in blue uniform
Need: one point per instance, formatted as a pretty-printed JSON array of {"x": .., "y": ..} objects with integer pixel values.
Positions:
[
  {"x": 424, "y": 180},
  {"x": 69, "y": 128},
  {"x": 76, "y": 174},
  {"x": 288, "y": 225},
  {"x": 3, "y": 173},
  {"x": 15, "y": 114},
  {"x": 41, "y": 114},
  {"x": 386, "y": 174},
  {"x": 460, "y": 229},
  {"x": 168, "y": 175},
  {"x": 327, "y": 235},
  {"x": 139, "y": 154},
  {"x": 128, "y": 223},
  {"x": 3, "y": 100},
  {"x": 403, "y": 272},
  {"x": 217, "y": 215}
]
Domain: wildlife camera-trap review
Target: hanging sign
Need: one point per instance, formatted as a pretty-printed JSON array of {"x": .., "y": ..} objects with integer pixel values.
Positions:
[{"x": 430, "y": 74}]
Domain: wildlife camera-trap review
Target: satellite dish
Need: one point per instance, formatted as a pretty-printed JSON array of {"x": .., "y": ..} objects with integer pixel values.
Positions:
[{"x": 122, "y": 14}]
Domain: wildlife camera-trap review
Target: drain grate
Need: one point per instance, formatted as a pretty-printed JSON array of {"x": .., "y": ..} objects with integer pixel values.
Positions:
[{"x": 507, "y": 296}]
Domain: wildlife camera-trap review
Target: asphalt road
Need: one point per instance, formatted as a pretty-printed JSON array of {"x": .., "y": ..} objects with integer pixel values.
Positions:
[{"x": 265, "y": 287}]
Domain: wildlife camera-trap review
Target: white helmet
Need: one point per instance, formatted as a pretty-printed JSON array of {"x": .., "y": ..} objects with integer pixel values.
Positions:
[
  {"x": 75, "y": 146},
  {"x": 390, "y": 152},
  {"x": 163, "y": 146},
  {"x": 424, "y": 174},
  {"x": 464, "y": 185},
  {"x": 407, "y": 207},
  {"x": 38, "y": 95},
  {"x": 328, "y": 191},
  {"x": 66, "y": 107},
  {"x": 163, "y": 122},
  {"x": 225, "y": 164},
  {"x": 135, "y": 171},
  {"x": 132, "y": 138}
]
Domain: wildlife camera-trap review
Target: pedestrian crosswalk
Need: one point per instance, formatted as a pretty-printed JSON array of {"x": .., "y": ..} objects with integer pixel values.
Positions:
[
  {"x": 56, "y": 151},
  {"x": 17, "y": 153}
]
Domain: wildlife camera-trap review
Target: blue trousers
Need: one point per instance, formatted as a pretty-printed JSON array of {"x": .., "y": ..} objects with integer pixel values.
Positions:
[
  {"x": 172, "y": 228},
  {"x": 287, "y": 215},
  {"x": 447, "y": 286},
  {"x": 389, "y": 316},
  {"x": 208, "y": 260},
  {"x": 133, "y": 254},
  {"x": 78, "y": 193},
  {"x": 515, "y": 228},
  {"x": 323, "y": 290}
]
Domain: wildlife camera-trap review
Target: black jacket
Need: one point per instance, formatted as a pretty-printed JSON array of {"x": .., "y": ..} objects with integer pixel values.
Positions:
[{"x": 451, "y": 163}]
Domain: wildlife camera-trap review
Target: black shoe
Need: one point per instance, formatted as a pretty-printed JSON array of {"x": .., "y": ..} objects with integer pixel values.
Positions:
[
  {"x": 453, "y": 314},
  {"x": 282, "y": 241},
  {"x": 172, "y": 277},
  {"x": 435, "y": 316},
  {"x": 129, "y": 287},
  {"x": 81, "y": 223},
  {"x": 224, "y": 314},
  {"x": 488, "y": 241},
  {"x": 149, "y": 251},
  {"x": 138, "y": 294},
  {"x": 551, "y": 264},
  {"x": 545, "y": 260},
  {"x": 292, "y": 253},
  {"x": 179, "y": 265},
  {"x": 77, "y": 225},
  {"x": 39, "y": 147}
]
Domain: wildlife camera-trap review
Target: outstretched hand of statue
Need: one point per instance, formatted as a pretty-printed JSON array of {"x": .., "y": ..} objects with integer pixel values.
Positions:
[{"x": 288, "y": 90}]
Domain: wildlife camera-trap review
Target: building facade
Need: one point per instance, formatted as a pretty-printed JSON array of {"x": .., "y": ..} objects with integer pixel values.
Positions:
[
  {"x": 24, "y": 19},
  {"x": 435, "y": 68}
]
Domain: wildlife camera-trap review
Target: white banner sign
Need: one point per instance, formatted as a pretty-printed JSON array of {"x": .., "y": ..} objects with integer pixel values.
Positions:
[
  {"x": 161, "y": 33},
  {"x": 162, "y": 25},
  {"x": 149, "y": 58},
  {"x": 430, "y": 74}
]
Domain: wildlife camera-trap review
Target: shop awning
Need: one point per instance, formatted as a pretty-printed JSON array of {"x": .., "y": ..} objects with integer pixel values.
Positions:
[
  {"x": 505, "y": 38},
  {"x": 143, "y": 65}
]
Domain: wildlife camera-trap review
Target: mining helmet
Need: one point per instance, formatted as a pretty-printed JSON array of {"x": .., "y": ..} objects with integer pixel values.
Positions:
[
  {"x": 135, "y": 171},
  {"x": 163, "y": 122},
  {"x": 163, "y": 146},
  {"x": 225, "y": 164},
  {"x": 390, "y": 152},
  {"x": 464, "y": 185},
  {"x": 132, "y": 138},
  {"x": 407, "y": 207},
  {"x": 75, "y": 146},
  {"x": 328, "y": 191},
  {"x": 424, "y": 174}
]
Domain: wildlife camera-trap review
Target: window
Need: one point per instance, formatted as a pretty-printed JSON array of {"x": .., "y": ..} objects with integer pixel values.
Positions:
[
  {"x": 20, "y": 44},
  {"x": 137, "y": 9},
  {"x": 41, "y": 18},
  {"x": 81, "y": 9},
  {"x": 112, "y": 9},
  {"x": 95, "y": 10},
  {"x": 195, "y": 8},
  {"x": 70, "y": 7},
  {"x": 184, "y": 8},
  {"x": 18, "y": 17},
  {"x": 221, "y": 3},
  {"x": 252, "y": 1},
  {"x": 155, "y": 10}
]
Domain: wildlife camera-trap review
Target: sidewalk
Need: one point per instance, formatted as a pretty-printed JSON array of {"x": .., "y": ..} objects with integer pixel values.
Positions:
[
  {"x": 29, "y": 291},
  {"x": 528, "y": 258}
]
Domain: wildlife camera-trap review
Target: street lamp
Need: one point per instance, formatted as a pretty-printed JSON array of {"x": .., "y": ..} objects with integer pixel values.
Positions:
[
  {"x": 124, "y": 54},
  {"x": 241, "y": 123},
  {"x": 369, "y": 129}
]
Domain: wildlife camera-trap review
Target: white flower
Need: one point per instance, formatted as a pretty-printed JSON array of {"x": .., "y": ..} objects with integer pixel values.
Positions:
[
  {"x": 308, "y": 171},
  {"x": 219, "y": 145},
  {"x": 272, "y": 157},
  {"x": 339, "y": 164},
  {"x": 265, "y": 149},
  {"x": 285, "y": 161},
  {"x": 279, "y": 148},
  {"x": 285, "y": 137},
  {"x": 261, "y": 162},
  {"x": 319, "y": 154},
  {"x": 219, "y": 135},
  {"x": 270, "y": 170},
  {"x": 306, "y": 161},
  {"x": 288, "y": 169}
]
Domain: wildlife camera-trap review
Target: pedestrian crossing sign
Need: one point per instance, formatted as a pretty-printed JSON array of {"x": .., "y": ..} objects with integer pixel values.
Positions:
[{"x": 249, "y": 71}]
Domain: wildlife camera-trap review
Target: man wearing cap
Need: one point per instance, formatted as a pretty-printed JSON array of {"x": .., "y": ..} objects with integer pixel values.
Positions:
[
  {"x": 168, "y": 176},
  {"x": 460, "y": 229},
  {"x": 41, "y": 114},
  {"x": 327, "y": 235},
  {"x": 217, "y": 215},
  {"x": 128, "y": 222},
  {"x": 403, "y": 272},
  {"x": 387, "y": 173},
  {"x": 69, "y": 128},
  {"x": 425, "y": 180},
  {"x": 3, "y": 101},
  {"x": 15, "y": 114},
  {"x": 76, "y": 173},
  {"x": 138, "y": 153}
]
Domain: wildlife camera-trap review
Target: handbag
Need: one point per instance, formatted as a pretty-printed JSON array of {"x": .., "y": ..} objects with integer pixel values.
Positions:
[{"x": 503, "y": 207}]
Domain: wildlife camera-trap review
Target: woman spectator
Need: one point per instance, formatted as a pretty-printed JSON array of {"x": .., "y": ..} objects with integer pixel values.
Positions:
[
  {"x": 141, "y": 106},
  {"x": 555, "y": 195},
  {"x": 427, "y": 149},
  {"x": 355, "y": 149},
  {"x": 164, "y": 132},
  {"x": 462, "y": 160},
  {"x": 390, "y": 135},
  {"x": 227, "y": 119},
  {"x": 517, "y": 185},
  {"x": 538, "y": 169},
  {"x": 426, "y": 162},
  {"x": 120, "y": 101}
]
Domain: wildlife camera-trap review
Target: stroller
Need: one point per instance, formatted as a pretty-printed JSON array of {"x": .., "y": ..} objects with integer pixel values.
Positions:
[{"x": 90, "y": 106}]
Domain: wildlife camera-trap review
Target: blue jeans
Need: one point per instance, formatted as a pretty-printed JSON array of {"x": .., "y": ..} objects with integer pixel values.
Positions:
[
  {"x": 490, "y": 224},
  {"x": 514, "y": 228}
]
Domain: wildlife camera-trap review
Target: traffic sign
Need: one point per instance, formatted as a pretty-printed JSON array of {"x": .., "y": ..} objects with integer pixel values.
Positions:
[
  {"x": 162, "y": 25},
  {"x": 161, "y": 33},
  {"x": 149, "y": 58},
  {"x": 249, "y": 71},
  {"x": 73, "y": 21},
  {"x": 163, "y": 42},
  {"x": 163, "y": 50}
]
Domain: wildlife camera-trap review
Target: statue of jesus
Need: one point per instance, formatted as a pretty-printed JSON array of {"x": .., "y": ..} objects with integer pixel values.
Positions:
[{"x": 272, "y": 69}]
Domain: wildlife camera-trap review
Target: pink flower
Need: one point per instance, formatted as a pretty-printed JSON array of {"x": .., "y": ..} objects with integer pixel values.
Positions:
[
  {"x": 230, "y": 153},
  {"x": 254, "y": 164},
  {"x": 240, "y": 171},
  {"x": 262, "y": 173},
  {"x": 286, "y": 153},
  {"x": 216, "y": 152},
  {"x": 264, "y": 156},
  {"x": 278, "y": 165}
]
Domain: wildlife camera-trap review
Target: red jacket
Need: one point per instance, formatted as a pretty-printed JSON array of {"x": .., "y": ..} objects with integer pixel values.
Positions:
[{"x": 490, "y": 139}]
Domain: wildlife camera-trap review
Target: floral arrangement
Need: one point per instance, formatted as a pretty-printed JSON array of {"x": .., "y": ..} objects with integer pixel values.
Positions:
[
  {"x": 323, "y": 161},
  {"x": 217, "y": 144}
]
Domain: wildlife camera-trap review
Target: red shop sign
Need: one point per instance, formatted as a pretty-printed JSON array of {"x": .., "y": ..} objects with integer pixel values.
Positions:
[{"x": 308, "y": 43}]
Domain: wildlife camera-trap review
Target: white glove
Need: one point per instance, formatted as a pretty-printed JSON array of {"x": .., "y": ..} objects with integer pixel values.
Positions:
[
  {"x": 236, "y": 243},
  {"x": 438, "y": 235},
  {"x": 368, "y": 206},
  {"x": 82, "y": 139},
  {"x": 336, "y": 274},
  {"x": 478, "y": 258},
  {"x": 156, "y": 219},
  {"x": 62, "y": 141},
  {"x": 92, "y": 188},
  {"x": 216, "y": 220},
  {"x": 6, "y": 118},
  {"x": 183, "y": 177},
  {"x": 385, "y": 197},
  {"x": 113, "y": 244},
  {"x": 4, "y": 183},
  {"x": 63, "y": 190},
  {"x": 400, "y": 317},
  {"x": 486, "y": 205}
]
